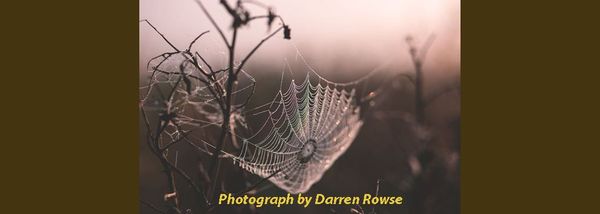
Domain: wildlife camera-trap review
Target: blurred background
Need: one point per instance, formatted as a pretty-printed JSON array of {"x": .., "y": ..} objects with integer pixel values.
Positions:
[{"x": 342, "y": 40}]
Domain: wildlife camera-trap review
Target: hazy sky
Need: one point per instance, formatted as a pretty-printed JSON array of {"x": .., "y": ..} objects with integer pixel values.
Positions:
[{"x": 327, "y": 32}]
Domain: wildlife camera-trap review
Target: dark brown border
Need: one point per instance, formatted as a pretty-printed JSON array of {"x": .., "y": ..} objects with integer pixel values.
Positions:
[
  {"x": 69, "y": 106},
  {"x": 527, "y": 119}
]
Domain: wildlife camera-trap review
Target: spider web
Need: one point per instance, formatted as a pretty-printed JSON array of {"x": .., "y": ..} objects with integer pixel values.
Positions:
[{"x": 306, "y": 126}]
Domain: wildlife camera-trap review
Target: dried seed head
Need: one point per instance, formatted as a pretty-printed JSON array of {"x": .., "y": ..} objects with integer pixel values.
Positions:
[{"x": 287, "y": 32}]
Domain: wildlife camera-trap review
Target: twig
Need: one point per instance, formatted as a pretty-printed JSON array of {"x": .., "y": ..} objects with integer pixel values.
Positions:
[
  {"x": 152, "y": 207},
  {"x": 257, "y": 3},
  {"x": 175, "y": 141},
  {"x": 425, "y": 48},
  {"x": 194, "y": 41},
  {"x": 433, "y": 96},
  {"x": 417, "y": 56},
  {"x": 217, "y": 96},
  {"x": 247, "y": 98},
  {"x": 256, "y": 48},
  {"x": 189, "y": 180},
  {"x": 159, "y": 33},
  {"x": 199, "y": 2},
  {"x": 259, "y": 182},
  {"x": 214, "y": 166},
  {"x": 377, "y": 192},
  {"x": 206, "y": 63}
]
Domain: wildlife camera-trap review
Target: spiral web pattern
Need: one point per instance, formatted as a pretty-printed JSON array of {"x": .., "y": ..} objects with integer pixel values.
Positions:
[{"x": 308, "y": 127}]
